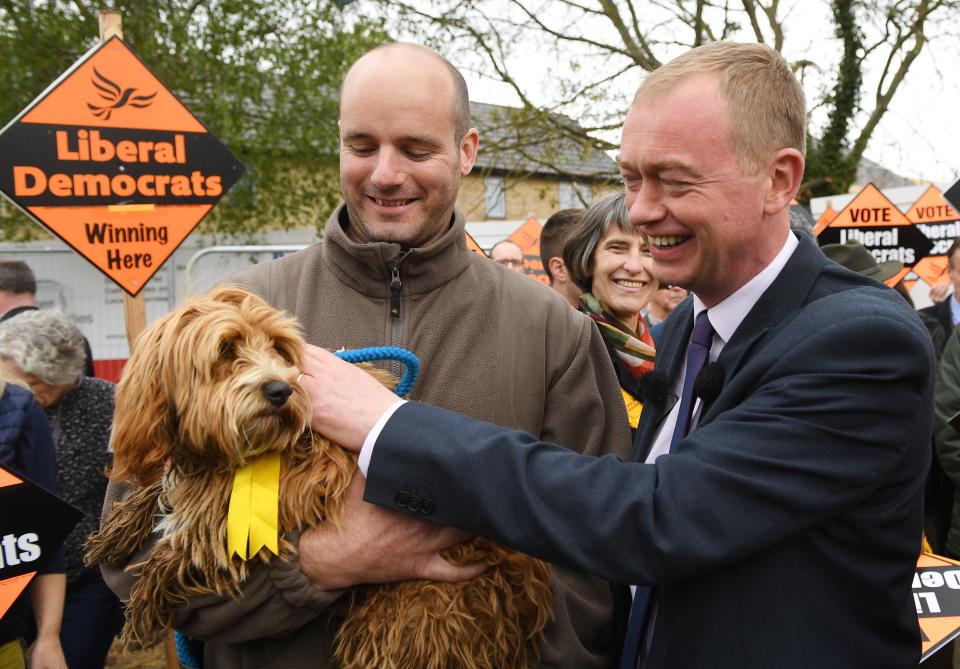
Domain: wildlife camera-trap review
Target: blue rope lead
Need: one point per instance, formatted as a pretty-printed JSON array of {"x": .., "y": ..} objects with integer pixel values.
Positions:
[{"x": 409, "y": 360}]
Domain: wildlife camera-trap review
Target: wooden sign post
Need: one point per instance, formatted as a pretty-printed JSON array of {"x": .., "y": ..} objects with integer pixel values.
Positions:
[{"x": 134, "y": 306}]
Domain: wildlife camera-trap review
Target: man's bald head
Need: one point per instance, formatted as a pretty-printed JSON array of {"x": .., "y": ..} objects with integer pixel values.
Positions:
[{"x": 406, "y": 54}]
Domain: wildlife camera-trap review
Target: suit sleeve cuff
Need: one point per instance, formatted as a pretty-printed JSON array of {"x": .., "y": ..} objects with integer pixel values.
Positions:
[{"x": 366, "y": 452}]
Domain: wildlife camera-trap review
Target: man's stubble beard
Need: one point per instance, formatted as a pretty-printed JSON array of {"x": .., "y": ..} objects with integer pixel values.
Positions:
[{"x": 360, "y": 232}]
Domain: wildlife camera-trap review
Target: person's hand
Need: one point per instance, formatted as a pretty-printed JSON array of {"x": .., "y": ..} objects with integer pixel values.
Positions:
[
  {"x": 940, "y": 292},
  {"x": 346, "y": 401},
  {"x": 377, "y": 545},
  {"x": 47, "y": 653}
]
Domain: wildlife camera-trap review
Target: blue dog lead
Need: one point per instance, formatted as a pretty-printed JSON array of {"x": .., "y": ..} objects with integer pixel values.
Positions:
[{"x": 410, "y": 362}]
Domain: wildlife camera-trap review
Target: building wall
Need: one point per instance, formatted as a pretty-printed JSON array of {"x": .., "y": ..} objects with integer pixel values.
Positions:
[{"x": 536, "y": 196}]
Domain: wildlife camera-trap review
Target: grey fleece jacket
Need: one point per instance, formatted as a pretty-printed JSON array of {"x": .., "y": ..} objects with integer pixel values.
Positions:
[{"x": 493, "y": 345}]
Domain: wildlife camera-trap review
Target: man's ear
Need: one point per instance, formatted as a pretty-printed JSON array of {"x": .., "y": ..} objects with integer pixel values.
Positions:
[
  {"x": 785, "y": 175},
  {"x": 468, "y": 151},
  {"x": 558, "y": 269}
]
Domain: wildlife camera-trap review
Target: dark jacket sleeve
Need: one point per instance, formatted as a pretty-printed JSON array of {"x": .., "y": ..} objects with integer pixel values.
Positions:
[
  {"x": 836, "y": 410},
  {"x": 39, "y": 464},
  {"x": 947, "y": 402}
]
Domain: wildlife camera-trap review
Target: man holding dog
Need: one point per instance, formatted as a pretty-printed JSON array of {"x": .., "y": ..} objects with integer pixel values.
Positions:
[
  {"x": 772, "y": 517},
  {"x": 394, "y": 268}
]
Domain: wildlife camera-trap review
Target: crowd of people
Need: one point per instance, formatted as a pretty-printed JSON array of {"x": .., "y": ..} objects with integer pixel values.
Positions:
[{"x": 719, "y": 437}]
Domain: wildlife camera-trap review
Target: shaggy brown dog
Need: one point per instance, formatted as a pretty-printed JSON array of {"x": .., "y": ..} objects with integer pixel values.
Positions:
[{"x": 213, "y": 384}]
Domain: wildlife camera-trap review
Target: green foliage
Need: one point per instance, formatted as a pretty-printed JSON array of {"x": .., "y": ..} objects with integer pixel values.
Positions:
[
  {"x": 263, "y": 75},
  {"x": 831, "y": 167}
]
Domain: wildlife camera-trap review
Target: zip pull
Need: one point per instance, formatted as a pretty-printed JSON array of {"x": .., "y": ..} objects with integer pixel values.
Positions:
[{"x": 395, "y": 286}]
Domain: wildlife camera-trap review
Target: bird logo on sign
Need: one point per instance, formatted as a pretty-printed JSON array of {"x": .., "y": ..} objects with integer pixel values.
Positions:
[{"x": 116, "y": 96}]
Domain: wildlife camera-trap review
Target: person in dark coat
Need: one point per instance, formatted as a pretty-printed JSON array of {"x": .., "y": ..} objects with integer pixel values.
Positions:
[{"x": 45, "y": 350}]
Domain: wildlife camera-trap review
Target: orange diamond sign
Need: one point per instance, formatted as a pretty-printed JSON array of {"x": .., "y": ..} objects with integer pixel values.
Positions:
[
  {"x": 936, "y": 594},
  {"x": 527, "y": 237},
  {"x": 33, "y": 523},
  {"x": 110, "y": 161},
  {"x": 941, "y": 223},
  {"x": 876, "y": 223}
]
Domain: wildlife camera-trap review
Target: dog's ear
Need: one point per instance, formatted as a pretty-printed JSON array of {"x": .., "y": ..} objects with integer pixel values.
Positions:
[
  {"x": 143, "y": 423},
  {"x": 231, "y": 294}
]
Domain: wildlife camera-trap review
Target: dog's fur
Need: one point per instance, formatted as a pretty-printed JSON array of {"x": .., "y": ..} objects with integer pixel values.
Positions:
[{"x": 191, "y": 410}]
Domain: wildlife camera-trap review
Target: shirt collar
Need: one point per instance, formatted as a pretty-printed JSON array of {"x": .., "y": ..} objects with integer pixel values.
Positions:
[
  {"x": 954, "y": 308},
  {"x": 726, "y": 316}
]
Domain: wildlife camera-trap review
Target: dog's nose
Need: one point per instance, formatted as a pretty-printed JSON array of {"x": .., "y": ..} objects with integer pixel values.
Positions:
[{"x": 276, "y": 392}]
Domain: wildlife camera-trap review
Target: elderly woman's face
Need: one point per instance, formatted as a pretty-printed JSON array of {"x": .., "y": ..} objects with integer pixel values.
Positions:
[
  {"x": 47, "y": 394},
  {"x": 621, "y": 274}
]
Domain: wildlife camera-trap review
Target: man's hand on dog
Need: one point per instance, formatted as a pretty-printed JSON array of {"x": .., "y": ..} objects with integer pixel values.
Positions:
[
  {"x": 346, "y": 401},
  {"x": 377, "y": 545}
]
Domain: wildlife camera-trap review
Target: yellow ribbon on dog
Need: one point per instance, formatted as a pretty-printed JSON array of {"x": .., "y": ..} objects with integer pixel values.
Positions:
[{"x": 254, "y": 507}]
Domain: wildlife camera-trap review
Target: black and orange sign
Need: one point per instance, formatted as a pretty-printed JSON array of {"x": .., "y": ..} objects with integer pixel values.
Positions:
[
  {"x": 112, "y": 163},
  {"x": 874, "y": 221},
  {"x": 941, "y": 224},
  {"x": 33, "y": 523},
  {"x": 952, "y": 194},
  {"x": 472, "y": 244},
  {"x": 936, "y": 594},
  {"x": 527, "y": 237},
  {"x": 828, "y": 215}
]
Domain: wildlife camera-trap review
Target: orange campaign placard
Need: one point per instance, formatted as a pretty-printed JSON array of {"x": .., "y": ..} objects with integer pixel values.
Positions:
[
  {"x": 874, "y": 221},
  {"x": 33, "y": 523},
  {"x": 941, "y": 224},
  {"x": 111, "y": 162},
  {"x": 472, "y": 244},
  {"x": 936, "y": 595},
  {"x": 828, "y": 215},
  {"x": 527, "y": 237}
]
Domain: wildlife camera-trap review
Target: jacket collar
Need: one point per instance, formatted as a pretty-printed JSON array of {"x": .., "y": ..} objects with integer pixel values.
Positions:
[
  {"x": 367, "y": 267},
  {"x": 779, "y": 302}
]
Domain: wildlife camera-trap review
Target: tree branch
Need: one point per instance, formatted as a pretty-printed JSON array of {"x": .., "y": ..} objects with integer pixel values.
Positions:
[
  {"x": 640, "y": 52},
  {"x": 751, "y": 10},
  {"x": 775, "y": 25},
  {"x": 883, "y": 98},
  {"x": 698, "y": 24}
]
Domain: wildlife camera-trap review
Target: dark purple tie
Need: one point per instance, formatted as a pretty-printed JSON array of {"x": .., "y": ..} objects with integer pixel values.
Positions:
[
  {"x": 698, "y": 350},
  {"x": 697, "y": 353}
]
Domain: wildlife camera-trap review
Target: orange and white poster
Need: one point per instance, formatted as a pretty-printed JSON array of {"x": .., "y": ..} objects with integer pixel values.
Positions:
[
  {"x": 874, "y": 221},
  {"x": 936, "y": 594},
  {"x": 111, "y": 162},
  {"x": 527, "y": 237},
  {"x": 941, "y": 224}
]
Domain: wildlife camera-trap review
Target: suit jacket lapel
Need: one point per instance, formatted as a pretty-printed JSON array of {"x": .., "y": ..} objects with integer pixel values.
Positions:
[
  {"x": 785, "y": 296},
  {"x": 674, "y": 338}
]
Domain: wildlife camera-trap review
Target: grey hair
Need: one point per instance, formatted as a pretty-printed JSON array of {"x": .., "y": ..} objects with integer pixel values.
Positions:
[
  {"x": 46, "y": 344},
  {"x": 580, "y": 246}
]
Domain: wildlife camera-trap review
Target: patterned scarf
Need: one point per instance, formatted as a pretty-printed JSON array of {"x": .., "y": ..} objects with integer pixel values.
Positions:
[{"x": 634, "y": 349}]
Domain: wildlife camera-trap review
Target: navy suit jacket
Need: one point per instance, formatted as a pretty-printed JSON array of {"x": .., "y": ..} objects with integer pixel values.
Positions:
[
  {"x": 941, "y": 311},
  {"x": 782, "y": 532}
]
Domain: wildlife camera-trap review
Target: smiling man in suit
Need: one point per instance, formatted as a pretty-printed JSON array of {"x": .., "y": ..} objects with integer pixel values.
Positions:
[{"x": 772, "y": 516}]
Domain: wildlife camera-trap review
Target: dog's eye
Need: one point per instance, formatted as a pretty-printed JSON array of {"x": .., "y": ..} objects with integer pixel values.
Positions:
[
  {"x": 285, "y": 354},
  {"x": 228, "y": 351}
]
